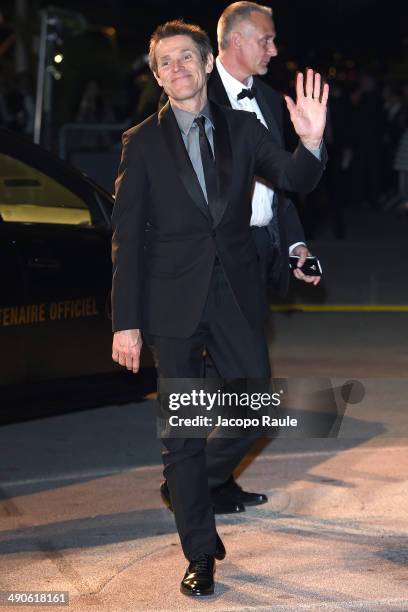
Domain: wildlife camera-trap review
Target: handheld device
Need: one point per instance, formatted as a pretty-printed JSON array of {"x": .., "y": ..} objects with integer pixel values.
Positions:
[{"x": 311, "y": 267}]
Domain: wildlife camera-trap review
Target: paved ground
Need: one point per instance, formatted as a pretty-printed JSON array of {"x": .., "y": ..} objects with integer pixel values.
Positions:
[
  {"x": 80, "y": 512},
  {"x": 80, "y": 509}
]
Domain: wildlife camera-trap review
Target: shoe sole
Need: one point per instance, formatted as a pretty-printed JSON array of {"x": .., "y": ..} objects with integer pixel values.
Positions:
[{"x": 196, "y": 593}]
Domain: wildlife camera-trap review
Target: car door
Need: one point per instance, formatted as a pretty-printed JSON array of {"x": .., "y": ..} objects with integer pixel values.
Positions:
[
  {"x": 12, "y": 299},
  {"x": 61, "y": 235}
]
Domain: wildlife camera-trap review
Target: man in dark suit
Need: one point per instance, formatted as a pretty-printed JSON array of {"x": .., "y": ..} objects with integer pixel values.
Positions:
[
  {"x": 246, "y": 41},
  {"x": 185, "y": 268}
]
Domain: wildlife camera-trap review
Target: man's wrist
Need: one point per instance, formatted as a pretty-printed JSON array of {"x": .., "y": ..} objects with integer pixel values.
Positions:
[
  {"x": 312, "y": 144},
  {"x": 134, "y": 333}
]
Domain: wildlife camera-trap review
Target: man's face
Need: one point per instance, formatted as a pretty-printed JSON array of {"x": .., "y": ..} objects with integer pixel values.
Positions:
[
  {"x": 255, "y": 44},
  {"x": 180, "y": 69}
]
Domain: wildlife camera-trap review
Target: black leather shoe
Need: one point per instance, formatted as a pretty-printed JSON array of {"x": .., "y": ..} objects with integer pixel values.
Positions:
[
  {"x": 198, "y": 580},
  {"x": 220, "y": 551},
  {"x": 231, "y": 493}
]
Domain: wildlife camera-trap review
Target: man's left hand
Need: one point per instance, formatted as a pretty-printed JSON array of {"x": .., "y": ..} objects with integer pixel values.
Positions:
[{"x": 302, "y": 252}]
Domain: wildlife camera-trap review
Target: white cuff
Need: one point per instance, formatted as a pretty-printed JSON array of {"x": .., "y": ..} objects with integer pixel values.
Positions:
[{"x": 294, "y": 245}]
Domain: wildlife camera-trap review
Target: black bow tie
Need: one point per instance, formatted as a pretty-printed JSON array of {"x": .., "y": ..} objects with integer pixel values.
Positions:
[{"x": 247, "y": 93}]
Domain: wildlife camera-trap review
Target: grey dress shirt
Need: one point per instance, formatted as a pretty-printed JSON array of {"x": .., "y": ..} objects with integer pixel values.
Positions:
[{"x": 190, "y": 133}]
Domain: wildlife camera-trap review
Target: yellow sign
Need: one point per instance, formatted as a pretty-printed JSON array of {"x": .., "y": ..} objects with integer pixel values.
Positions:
[{"x": 54, "y": 311}]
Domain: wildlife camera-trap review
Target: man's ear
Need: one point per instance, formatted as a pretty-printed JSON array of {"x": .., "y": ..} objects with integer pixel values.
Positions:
[
  {"x": 210, "y": 64},
  {"x": 235, "y": 40},
  {"x": 158, "y": 79}
]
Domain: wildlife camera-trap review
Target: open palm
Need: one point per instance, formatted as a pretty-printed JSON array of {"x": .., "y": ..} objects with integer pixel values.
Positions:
[{"x": 308, "y": 115}]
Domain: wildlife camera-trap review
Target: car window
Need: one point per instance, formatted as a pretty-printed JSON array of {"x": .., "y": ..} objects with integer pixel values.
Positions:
[{"x": 30, "y": 196}]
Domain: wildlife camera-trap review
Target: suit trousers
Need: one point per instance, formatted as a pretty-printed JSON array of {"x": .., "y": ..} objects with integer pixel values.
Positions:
[
  {"x": 238, "y": 352},
  {"x": 223, "y": 455}
]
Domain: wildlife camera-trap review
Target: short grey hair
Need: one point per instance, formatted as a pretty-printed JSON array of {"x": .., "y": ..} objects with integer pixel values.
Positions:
[{"x": 235, "y": 13}]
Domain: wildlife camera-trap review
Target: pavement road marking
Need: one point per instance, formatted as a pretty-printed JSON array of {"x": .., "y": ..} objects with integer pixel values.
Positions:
[
  {"x": 369, "y": 605},
  {"x": 339, "y": 307}
]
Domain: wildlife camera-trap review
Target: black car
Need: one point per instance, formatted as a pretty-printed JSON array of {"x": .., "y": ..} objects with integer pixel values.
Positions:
[{"x": 55, "y": 268}]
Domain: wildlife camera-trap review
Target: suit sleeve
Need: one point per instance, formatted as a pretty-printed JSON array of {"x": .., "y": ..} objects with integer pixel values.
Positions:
[
  {"x": 128, "y": 225},
  {"x": 299, "y": 171},
  {"x": 293, "y": 226}
]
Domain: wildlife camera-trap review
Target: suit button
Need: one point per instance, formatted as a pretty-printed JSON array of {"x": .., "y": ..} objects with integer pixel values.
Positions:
[{"x": 213, "y": 234}]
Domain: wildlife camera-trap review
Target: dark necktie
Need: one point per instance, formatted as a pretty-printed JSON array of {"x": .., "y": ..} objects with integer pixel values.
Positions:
[
  {"x": 247, "y": 93},
  {"x": 209, "y": 168}
]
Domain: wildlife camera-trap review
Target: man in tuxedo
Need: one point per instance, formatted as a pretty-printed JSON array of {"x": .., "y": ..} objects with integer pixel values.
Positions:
[
  {"x": 185, "y": 268},
  {"x": 246, "y": 41}
]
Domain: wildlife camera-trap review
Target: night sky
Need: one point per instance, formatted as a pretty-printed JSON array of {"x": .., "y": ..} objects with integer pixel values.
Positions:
[
  {"x": 366, "y": 31},
  {"x": 339, "y": 38}
]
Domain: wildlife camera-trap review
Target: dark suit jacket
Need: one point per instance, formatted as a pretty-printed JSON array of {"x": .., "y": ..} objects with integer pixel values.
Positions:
[
  {"x": 285, "y": 228},
  {"x": 161, "y": 276}
]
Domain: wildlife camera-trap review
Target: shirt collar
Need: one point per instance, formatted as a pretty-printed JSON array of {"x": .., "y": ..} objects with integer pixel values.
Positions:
[
  {"x": 231, "y": 84},
  {"x": 185, "y": 119}
]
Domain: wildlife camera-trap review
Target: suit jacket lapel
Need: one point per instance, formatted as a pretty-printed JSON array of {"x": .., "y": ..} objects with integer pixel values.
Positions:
[
  {"x": 218, "y": 94},
  {"x": 223, "y": 159},
  {"x": 216, "y": 90},
  {"x": 268, "y": 115},
  {"x": 273, "y": 226},
  {"x": 185, "y": 170}
]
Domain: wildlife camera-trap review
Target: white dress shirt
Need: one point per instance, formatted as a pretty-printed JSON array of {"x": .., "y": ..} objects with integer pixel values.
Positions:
[{"x": 262, "y": 195}]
